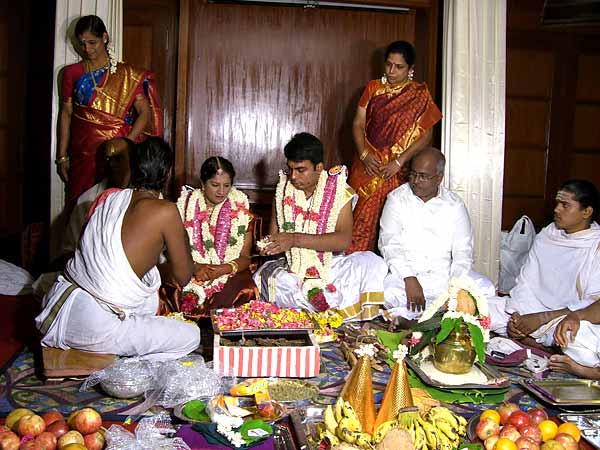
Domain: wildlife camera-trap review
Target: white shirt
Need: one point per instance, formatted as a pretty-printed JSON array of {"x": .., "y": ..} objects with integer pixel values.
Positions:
[{"x": 418, "y": 237}]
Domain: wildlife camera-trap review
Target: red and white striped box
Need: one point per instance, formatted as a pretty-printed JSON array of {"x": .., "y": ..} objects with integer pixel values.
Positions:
[{"x": 294, "y": 362}]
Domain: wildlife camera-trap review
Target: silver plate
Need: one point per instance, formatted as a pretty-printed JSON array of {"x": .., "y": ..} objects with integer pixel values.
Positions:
[
  {"x": 540, "y": 391},
  {"x": 588, "y": 424}
]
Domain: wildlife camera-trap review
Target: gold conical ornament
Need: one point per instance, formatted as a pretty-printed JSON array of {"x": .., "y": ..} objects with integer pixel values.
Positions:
[
  {"x": 358, "y": 390},
  {"x": 397, "y": 394}
]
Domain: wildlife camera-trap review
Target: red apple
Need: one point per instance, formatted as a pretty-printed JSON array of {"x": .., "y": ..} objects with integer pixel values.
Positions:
[
  {"x": 4, "y": 428},
  {"x": 94, "y": 441},
  {"x": 567, "y": 441},
  {"x": 552, "y": 445},
  {"x": 505, "y": 410},
  {"x": 538, "y": 415},
  {"x": 13, "y": 418},
  {"x": 527, "y": 443},
  {"x": 9, "y": 441},
  {"x": 486, "y": 428},
  {"x": 58, "y": 428},
  {"x": 519, "y": 419},
  {"x": 490, "y": 442},
  {"x": 31, "y": 445},
  {"x": 87, "y": 421},
  {"x": 52, "y": 416},
  {"x": 533, "y": 432},
  {"x": 510, "y": 432},
  {"x": 31, "y": 425},
  {"x": 72, "y": 437},
  {"x": 47, "y": 440}
]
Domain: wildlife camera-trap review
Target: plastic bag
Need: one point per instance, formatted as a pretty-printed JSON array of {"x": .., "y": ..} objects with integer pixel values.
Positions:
[
  {"x": 125, "y": 378},
  {"x": 150, "y": 434},
  {"x": 514, "y": 247}
]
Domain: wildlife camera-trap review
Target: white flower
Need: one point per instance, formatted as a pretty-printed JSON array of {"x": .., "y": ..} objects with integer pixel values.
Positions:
[
  {"x": 400, "y": 353},
  {"x": 366, "y": 350}
]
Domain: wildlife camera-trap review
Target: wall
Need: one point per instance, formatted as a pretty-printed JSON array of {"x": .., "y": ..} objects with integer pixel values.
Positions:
[{"x": 552, "y": 111}]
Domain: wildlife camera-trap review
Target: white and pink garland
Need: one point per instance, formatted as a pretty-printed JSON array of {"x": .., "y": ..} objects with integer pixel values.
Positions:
[
  {"x": 216, "y": 237},
  {"x": 317, "y": 215}
]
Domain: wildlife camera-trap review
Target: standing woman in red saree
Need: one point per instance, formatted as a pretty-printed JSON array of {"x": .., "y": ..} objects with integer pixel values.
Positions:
[
  {"x": 393, "y": 121},
  {"x": 101, "y": 100}
]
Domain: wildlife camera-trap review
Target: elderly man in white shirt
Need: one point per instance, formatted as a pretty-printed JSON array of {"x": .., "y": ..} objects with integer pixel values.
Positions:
[{"x": 425, "y": 239}]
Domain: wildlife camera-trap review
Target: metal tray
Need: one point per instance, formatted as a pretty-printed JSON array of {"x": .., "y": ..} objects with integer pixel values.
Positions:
[
  {"x": 265, "y": 331},
  {"x": 588, "y": 424},
  {"x": 565, "y": 392},
  {"x": 496, "y": 379}
]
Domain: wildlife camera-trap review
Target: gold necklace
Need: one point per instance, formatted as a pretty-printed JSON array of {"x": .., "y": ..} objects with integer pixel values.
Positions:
[{"x": 91, "y": 72}]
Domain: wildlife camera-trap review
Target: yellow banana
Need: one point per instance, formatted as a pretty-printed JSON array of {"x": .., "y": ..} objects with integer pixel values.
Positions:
[
  {"x": 440, "y": 412},
  {"x": 421, "y": 439},
  {"x": 430, "y": 433},
  {"x": 364, "y": 441},
  {"x": 332, "y": 438},
  {"x": 350, "y": 424},
  {"x": 461, "y": 420},
  {"x": 443, "y": 443},
  {"x": 348, "y": 411},
  {"x": 383, "y": 429},
  {"x": 337, "y": 409},
  {"x": 447, "y": 429},
  {"x": 346, "y": 435},
  {"x": 329, "y": 419}
]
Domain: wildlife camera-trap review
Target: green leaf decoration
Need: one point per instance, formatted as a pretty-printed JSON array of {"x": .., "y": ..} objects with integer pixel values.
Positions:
[
  {"x": 288, "y": 226},
  {"x": 477, "y": 338},
  {"x": 475, "y": 303},
  {"x": 208, "y": 244},
  {"x": 447, "y": 326},
  {"x": 256, "y": 424},
  {"x": 425, "y": 341},
  {"x": 314, "y": 291},
  {"x": 196, "y": 410},
  {"x": 430, "y": 324},
  {"x": 241, "y": 230},
  {"x": 232, "y": 240},
  {"x": 468, "y": 446}
]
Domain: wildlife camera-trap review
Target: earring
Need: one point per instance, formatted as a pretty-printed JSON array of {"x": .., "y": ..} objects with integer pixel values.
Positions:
[
  {"x": 411, "y": 74},
  {"x": 384, "y": 79}
]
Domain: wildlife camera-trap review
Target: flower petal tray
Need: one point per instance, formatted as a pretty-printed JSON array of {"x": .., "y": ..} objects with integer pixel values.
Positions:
[
  {"x": 495, "y": 379},
  {"x": 256, "y": 331}
]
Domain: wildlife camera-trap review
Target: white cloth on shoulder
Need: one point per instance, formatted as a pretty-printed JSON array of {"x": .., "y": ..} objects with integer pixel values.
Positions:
[
  {"x": 358, "y": 279},
  {"x": 432, "y": 241},
  {"x": 112, "y": 310}
]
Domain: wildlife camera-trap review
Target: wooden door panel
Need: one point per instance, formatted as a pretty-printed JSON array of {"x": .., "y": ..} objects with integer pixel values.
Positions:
[
  {"x": 586, "y": 166},
  {"x": 280, "y": 71},
  {"x": 527, "y": 174},
  {"x": 529, "y": 72},
  {"x": 588, "y": 88},
  {"x": 515, "y": 207},
  {"x": 527, "y": 122},
  {"x": 586, "y": 134},
  {"x": 138, "y": 49}
]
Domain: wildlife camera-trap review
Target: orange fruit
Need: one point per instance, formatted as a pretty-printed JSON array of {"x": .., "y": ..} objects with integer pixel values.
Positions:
[
  {"x": 505, "y": 444},
  {"x": 570, "y": 428},
  {"x": 549, "y": 429},
  {"x": 490, "y": 414}
]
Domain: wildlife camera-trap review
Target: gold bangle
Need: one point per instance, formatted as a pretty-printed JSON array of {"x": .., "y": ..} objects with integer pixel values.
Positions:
[
  {"x": 234, "y": 266},
  {"x": 363, "y": 155},
  {"x": 61, "y": 160}
]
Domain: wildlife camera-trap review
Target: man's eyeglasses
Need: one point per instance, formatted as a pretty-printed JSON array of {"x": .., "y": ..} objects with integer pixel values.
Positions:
[{"x": 420, "y": 176}]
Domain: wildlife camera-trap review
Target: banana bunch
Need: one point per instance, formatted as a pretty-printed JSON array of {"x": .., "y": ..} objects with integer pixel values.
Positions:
[
  {"x": 440, "y": 429},
  {"x": 342, "y": 424}
]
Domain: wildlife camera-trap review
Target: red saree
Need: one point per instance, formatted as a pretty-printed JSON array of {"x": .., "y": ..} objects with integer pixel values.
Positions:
[
  {"x": 103, "y": 113},
  {"x": 397, "y": 116}
]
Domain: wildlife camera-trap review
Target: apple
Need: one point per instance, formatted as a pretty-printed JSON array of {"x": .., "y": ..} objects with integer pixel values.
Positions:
[
  {"x": 15, "y": 415},
  {"x": 533, "y": 432},
  {"x": 72, "y": 437},
  {"x": 490, "y": 442},
  {"x": 519, "y": 419},
  {"x": 70, "y": 420},
  {"x": 4, "y": 428},
  {"x": 58, "y": 428},
  {"x": 510, "y": 432},
  {"x": 527, "y": 443},
  {"x": 538, "y": 415},
  {"x": 486, "y": 428},
  {"x": 87, "y": 421},
  {"x": 567, "y": 441},
  {"x": 94, "y": 441},
  {"x": 505, "y": 410},
  {"x": 52, "y": 416},
  {"x": 31, "y": 445},
  {"x": 552, "y": 444},
  {"x": 32, "y": 425},
  {"x": 9, "y": 441},
  {"x": 74, "y": 447},
  {"x": 47, "y": 440}
]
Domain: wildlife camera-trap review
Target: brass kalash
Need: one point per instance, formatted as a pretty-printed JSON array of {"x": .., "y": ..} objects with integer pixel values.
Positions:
[{"x": 455, "y": 354}]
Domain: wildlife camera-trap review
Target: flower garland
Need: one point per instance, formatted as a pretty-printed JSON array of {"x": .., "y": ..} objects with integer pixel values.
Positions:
[
  {"x": 317, "y": 215},
  {"x": 215, "y": 238},
  {"x": 465, "y": 305}
]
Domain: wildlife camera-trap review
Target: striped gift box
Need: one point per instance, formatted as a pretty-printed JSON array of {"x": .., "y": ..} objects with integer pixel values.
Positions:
[{"x": 294, "y": 362}]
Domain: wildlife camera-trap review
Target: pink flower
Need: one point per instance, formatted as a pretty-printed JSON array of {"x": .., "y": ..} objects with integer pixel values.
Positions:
[
  {"x": 319, "y": 302},
  {"x": 289, "y": 201},
  {"x": 414, "y": 340},
  {"x": 312, "y": 272},
  {"x": 486, "y": 322},
  {"x": 331, "y": 287}
]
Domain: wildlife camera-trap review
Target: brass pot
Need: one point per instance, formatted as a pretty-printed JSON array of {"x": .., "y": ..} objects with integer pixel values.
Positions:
[{"x": 456, "y": 354}]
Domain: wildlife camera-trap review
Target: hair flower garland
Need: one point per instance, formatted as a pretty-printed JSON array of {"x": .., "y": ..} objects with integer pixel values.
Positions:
[
  {"x": 215, "y": 238},
  {"x": 366, "y": 350},
  {"x": 462, "y": 304},
  {"x": 400, "y": 353},
  {"x": 317, "y": 215}
]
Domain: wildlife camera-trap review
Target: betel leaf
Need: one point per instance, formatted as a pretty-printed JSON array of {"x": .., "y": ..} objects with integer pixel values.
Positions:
[
  {"x": 196, "y": 410},
  {"x": 477, "y": 338},
  {"x": 447, "y": 327},
  {"x": 255, "y": 430},
  {"x": 430, "y": 324}
]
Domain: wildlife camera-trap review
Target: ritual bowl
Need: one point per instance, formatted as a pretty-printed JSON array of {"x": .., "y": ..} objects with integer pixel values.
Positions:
[{"x": 127, "y": 388}]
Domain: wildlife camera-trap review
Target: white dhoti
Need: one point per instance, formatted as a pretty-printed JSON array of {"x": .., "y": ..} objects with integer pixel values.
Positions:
[
  {"x": 358, "y": 280},
  {"x": 108, "y": 308},
  {"x": 433, "y": 285}
]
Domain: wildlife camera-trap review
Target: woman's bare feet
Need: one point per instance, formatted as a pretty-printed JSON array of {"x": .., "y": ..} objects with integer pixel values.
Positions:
[{"x": 565, "y": 364}]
